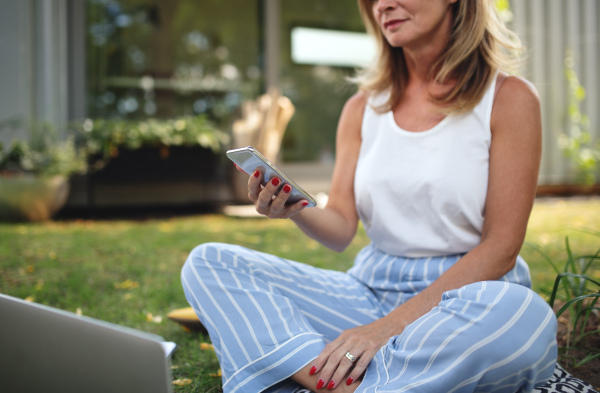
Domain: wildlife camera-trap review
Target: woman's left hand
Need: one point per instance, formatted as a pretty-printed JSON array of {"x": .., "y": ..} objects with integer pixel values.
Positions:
[{"x": 362, "y": 342}]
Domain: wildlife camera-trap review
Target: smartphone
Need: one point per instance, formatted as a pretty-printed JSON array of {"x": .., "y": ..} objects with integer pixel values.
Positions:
[{"x": 249, "y": 159}]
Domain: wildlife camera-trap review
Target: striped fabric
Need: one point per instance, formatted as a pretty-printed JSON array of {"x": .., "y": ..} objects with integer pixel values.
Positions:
[{"x": 269, "y": 317}]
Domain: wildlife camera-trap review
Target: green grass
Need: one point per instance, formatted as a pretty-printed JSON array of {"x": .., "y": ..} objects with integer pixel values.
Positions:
[
  {"x": 550, "y": 223},
  {"x": 85, "y": 265}
]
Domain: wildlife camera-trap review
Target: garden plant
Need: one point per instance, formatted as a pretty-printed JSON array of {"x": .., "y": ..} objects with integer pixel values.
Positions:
[{"x": 574, "y": 297}]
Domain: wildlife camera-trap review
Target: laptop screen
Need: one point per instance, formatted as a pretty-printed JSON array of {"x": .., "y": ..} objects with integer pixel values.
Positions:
[{"x": 43, "y": 349}]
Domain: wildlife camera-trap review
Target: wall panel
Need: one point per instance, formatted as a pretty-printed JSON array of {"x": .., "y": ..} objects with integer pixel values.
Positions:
[{"x": 549, "y": 28}]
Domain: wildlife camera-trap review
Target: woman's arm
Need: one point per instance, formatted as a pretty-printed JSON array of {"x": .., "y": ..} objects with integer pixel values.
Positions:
[
  {"x": 514, "y": 164},
  {"x": 335, "y": 225}
]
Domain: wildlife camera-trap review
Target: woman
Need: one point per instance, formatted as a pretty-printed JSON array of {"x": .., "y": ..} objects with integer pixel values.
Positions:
[{"x": 438, "y": 156}]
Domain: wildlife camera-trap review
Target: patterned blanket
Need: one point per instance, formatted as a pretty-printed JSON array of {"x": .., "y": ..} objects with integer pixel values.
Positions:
[{"x": 563, "y": 382}]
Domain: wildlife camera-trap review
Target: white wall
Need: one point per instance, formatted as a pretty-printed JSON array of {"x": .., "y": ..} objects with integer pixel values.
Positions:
[
  {"x": 16, "y": 74},
  {"x": 33, "y": 60},
  {"x": 548, "y": 28}
]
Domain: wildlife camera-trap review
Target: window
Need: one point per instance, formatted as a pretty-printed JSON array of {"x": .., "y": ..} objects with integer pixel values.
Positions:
[
  {"x": 332, "y": 47},
  {"x": 318, "y": 91},
  {"x": 171, "y": 58}
]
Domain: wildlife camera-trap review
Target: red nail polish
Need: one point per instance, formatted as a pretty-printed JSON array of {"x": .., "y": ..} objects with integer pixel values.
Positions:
[
  {"x": 313, "y": 370},
  {"x": 275, "y": 181},
  {"x": 287, "y": 188},
  {"x": 304, "y": 204},
  {"x": 256, "y": 173},
  {"x": 349, "y": 381},
  {"x": 331, "y": 385},
  {"x": 320, "y": 384},
  {"x": 240, "y": 169}
]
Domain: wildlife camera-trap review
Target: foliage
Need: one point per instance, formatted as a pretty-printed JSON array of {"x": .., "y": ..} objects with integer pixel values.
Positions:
[
  {"x": 104, "y": 137},
  {"x": 577, "y": 144},
  {"x": 42, "y": 153},
  {"x": 576, "y": 285},
  {"x": 503, "y": 8}
]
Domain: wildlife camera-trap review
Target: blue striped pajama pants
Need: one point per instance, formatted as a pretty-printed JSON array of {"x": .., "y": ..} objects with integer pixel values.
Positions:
[{"x": 269, "y": 317}]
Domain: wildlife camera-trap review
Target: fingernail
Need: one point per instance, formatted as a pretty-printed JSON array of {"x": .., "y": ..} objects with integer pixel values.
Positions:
[
  {"x": 304, "y": 204},
  {"x": 256, "y": 173},
  {"x": 287, "y": 188},
  {"x": 331, "y": 384},
  {"x": 240, "y": 168},
  {"x": 321, "y": 383},
  {"x": 349, "y": 381},
  {"x": 313, "y": 370},
  {"x": 275, "y": 181}
]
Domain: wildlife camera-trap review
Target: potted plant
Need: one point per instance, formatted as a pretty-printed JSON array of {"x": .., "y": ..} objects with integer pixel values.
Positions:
[
  {"x": 149, "y": 161},
  {"x": 35, "y": 165},
  {"x": 110, "y": 139}
]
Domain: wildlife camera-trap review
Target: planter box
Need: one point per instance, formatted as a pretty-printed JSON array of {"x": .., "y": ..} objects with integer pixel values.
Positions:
[
  {"x": 565, "y": 190},
  {"x": 150, "y": 164},
  {"x": 154, "y": 176}
]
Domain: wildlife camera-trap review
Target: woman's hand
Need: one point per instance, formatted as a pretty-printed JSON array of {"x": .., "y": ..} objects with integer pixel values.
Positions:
[
  {"x": 362, "y": 343},
  {"x": 267, "y": 202}
]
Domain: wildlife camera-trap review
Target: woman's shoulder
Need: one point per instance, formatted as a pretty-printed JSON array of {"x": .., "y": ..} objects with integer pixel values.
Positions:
[
  {"x": 516, "y": 99},
  {"x": 355, "y": 107},
  {"x": 357, "y": 101},
  {"x": 351, "y": 118},
  {"x": 511, "y": 87},
  {"x": 369, "y": 98},
  {"x": 514, "y": 93}
]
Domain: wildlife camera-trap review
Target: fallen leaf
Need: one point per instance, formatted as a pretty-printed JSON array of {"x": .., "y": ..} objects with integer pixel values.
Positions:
[
  {"x": 312, "y": 245},
  {"x": 182, "y": 382},
  {"x": 127, "y": 284},
  {"x": 218, "y": 374},
  {"x": 166, "y": 227},
  {"x": 152, "y": 318},
  {"x": 207, "y": 347}
]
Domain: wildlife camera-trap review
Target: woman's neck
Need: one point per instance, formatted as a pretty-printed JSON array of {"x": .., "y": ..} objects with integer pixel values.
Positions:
[{"x": 422, "y": 55}]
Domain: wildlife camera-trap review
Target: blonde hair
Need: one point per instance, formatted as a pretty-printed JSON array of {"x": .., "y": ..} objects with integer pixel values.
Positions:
[{"x": 478, "y": 46}]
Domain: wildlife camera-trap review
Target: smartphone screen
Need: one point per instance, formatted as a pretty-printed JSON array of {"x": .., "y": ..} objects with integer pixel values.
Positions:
[{"x": 249, "y": 159}]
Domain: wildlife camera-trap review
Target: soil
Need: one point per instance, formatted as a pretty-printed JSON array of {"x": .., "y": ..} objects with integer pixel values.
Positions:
[{"x": 589, "y": 372}]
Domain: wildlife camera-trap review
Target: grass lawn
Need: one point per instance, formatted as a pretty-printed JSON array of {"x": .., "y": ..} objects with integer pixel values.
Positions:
[{"x": 127, "y": 271}]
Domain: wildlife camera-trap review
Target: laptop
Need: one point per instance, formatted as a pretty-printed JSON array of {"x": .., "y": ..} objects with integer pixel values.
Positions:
[{"x": 43, "y": 349}]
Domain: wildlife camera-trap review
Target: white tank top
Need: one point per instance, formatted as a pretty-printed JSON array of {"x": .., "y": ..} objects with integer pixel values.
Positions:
[{"x": 422, "y": 194}]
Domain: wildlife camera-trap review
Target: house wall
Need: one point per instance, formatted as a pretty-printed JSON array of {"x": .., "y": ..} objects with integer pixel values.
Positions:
[
  {"x": 549, "y": 28},
  {"x": 16, "y": 73},
  {"x": 33, "y": 62}
]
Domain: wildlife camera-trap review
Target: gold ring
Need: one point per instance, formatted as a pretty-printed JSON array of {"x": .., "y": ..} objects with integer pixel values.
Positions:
[{"x": 350, "y": 357}]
